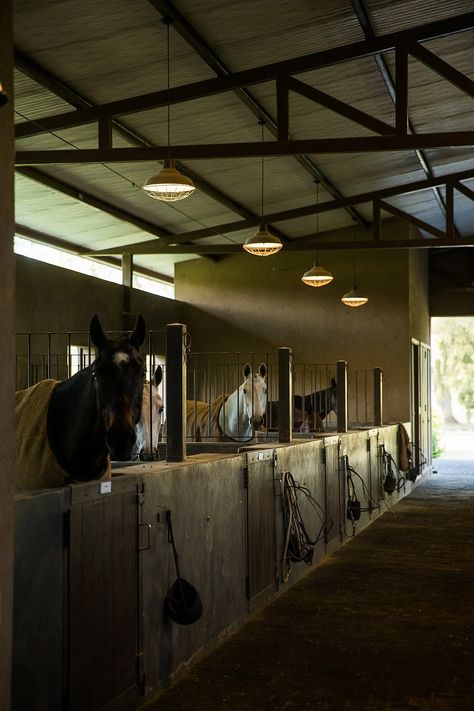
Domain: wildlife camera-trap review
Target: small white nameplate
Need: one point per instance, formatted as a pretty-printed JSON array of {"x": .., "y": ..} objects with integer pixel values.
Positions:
[
  {"x": 105, "y": 487},
  {"x": 261, "y": 455}
]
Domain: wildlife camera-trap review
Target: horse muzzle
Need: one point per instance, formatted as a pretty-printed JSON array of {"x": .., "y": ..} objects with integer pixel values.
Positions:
[
  {"x": 257, "y": 423},
  {"x": 121, "y": 443}
]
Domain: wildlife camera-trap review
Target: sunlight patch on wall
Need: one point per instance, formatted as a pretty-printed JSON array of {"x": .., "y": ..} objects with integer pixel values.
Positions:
[{"x": 84, "y": 265}]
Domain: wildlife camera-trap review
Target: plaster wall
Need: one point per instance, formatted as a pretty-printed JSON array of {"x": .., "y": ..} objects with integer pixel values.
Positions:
[
  {"x": 7, "y": 287},
  {"x": 419, "y": 295},
  {"x": 251, "y": 303},
  {"x": 53, "y": 299}
]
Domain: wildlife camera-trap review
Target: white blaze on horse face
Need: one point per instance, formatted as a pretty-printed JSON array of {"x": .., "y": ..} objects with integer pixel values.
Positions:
[
  {"x": 254, "y": 396},
  {"x": 120, "y": 357}
]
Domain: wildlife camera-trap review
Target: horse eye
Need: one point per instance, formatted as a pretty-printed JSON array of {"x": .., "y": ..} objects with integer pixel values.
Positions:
[{"x": 244, "y": 391}]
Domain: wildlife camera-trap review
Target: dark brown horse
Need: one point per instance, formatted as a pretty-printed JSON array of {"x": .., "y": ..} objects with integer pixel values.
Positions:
[
  {"x": 70, "y": 430},
  {"x": 308, "y": 411}
]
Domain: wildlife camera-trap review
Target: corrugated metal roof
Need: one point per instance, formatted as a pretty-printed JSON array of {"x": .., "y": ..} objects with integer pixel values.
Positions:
[{"x": 117, "y": 49}]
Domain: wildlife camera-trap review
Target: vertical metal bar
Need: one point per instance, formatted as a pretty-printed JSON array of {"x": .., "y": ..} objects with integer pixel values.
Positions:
[
  {"x": 378, "y": 384},
  {"x": 69, "y": 344},
  {"x": 341, "y": 369},
  {"x": 176, "y": 392},
  {"x": 48, "y": 357},
  {"x": 285, "y": 394},
  {"x": 28, "y": 360}
]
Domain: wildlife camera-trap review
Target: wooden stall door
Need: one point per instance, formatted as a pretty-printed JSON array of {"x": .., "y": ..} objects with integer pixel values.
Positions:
[
  {"x": 38, "y": 629},
  {"x": 261, "y": 544},
  {"x": 103, "y": 595},
  {"x": 333, "y": 492}
]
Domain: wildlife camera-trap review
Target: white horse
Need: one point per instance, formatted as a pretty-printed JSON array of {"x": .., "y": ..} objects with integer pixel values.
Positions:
[
  {"x": 237, "y": 416},
  {"x": 149, "y": 427}
]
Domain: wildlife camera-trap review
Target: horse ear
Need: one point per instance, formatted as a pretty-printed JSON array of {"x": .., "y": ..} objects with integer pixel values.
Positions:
[
  {"x": 139, "y": 332},
  {"x": 333, "y": 383},
  {"x": 158, "y": 376},
  {"x": 262, "y": 370},
  {"x": 97, "y": 334},
  {"x": 247, "y": 370}
]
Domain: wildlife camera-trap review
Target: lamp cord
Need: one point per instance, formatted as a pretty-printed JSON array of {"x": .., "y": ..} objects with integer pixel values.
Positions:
[{"x": 263, "y": 171}]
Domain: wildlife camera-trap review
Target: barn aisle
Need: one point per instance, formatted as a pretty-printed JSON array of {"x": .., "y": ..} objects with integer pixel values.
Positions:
[{"x": 384, "y": 624}]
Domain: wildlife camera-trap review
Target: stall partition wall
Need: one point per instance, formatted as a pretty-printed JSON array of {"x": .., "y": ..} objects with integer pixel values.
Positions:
[{"x": 93, "y": 566}]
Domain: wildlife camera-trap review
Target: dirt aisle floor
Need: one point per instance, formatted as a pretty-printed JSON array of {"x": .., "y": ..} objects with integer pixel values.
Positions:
[{"x": 384, "y": 624}]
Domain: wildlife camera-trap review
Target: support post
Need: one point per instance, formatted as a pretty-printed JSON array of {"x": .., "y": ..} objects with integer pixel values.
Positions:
[
  {"x": 175, "y": 392},
  {"x": 378, "y": 384},
  {"x": 127, "y": 281},
  {"x": 341, "y": 370},
  {"x": 285, "y": 394}
]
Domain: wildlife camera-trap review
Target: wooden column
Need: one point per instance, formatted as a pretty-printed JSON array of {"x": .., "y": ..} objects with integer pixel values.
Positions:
[
  {"x": 341, "y": 377},
  {"x": 127, "y": 281},
  {"x": 175, "y": 392},
  {"x": 285, "y": 394},
  {"x": 7, "y": 352},
  {"x": 378, "y": 384}
]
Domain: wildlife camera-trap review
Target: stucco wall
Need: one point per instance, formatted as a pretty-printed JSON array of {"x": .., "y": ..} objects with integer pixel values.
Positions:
[
  {"x": 53, "y": 299},
  {"x": 253, "y": 303}
]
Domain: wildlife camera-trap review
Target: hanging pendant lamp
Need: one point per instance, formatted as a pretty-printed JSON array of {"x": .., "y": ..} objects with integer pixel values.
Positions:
[
  {"x": 317, "y": 276},
  {"x": 3, "y": 96},
  {"x": 354, "y": 297},
  {"x": 262, "y": 243},
  {"x": 169, "y": 185}
]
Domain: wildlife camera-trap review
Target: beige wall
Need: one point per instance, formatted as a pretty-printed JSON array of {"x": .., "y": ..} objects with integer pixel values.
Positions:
[
  {"x": 7, "y": 428},
  {"x": 53, "y": 299},
  {"x": 259, "y": 303}
]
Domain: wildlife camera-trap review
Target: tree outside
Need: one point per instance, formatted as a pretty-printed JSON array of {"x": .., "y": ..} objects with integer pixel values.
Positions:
[{"x": 452, "y": 358}]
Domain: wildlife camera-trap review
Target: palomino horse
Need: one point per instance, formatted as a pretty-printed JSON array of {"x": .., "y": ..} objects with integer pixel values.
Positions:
[
  {"x": 237, "y": 416},
  {"x": 70, "y": 430},
  {"x": 309, "y": 411},
  {"x": 149, "y": 426}
]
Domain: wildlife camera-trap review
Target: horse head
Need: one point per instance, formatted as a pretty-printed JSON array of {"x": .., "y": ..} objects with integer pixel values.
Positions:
[
  {"x": 149, "y": 426},
  {"x": 118, "y": 375},
  {"x": 253, "y": 392}
]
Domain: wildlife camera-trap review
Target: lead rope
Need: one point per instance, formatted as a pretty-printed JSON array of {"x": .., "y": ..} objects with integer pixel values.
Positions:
[
  {"x": 298, "y": 545},
  {"x": 175, "y": 554}
]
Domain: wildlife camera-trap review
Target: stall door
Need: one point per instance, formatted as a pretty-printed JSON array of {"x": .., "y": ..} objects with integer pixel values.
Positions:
[
  {"x": 103, "y": 595},
  {"x": 259, "y": 482},
  {"x": 333, "y": 492}
]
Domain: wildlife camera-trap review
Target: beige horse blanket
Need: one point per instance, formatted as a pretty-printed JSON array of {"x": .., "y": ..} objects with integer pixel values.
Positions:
[
  {"x": 201, "y": 418},
  {"x": 36, "y": 465}
]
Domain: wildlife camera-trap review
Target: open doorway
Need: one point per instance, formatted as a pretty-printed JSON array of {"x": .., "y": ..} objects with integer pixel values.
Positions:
[{"x": 452, "y": 367}]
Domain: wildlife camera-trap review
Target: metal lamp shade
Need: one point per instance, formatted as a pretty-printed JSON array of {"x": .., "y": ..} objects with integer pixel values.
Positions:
[
  {"x": 169, "y": 185},
  {"x": 317, "y": 276},
  {"x": 354, "y": 299},
  {"x": 262, "y": 243}
]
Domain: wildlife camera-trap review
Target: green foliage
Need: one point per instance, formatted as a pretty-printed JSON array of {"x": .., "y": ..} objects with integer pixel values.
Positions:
[
  {"x": 453, "y": 366},
  {"x": 437, "y": 449}
]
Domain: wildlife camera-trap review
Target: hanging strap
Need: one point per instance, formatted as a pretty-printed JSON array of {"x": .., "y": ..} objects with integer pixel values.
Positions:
[{"x": 171, "y": 540}]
